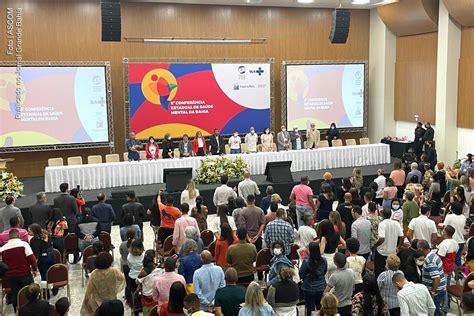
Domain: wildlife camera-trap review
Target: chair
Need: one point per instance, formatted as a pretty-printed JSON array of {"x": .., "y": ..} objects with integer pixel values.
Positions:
[
  {"x": 74, "y": 161},
  {"x": 6, "y": 290},
  {"x": 364, "y": 141},
  {"x": 21, "y": 297},
  {"x": 154, "y": 311},
  {"x": 471, "y": 230},
  {"x": 323, "y": 144},
  {"x": 52, "y": 310},
  {"x": 94, "y": 159},
  {"x": 142, "y": 155},
  {"x": 262, "y": 263},
  {"x": 136, "y": 303},
  {"x": 212, "y": 249},
  {"x": 160, "y": 154},
  {"x": 89, "y": 251},
  {"x": 337, "y": 143},
  {"x": 227, "y": 149},
  {"x": 167, "y": 246},
  {"x": 468, "y": 279},
  {"x": 274, "y": 147},
  {"x": 105, "y": 238},
  {"x": 71, "y": 246},
  {"x": 207, "y": 237},
  {"x": 455, "y": 293},
  {"x": 125, "y": 156},
  {"x": 244, "y": 148},
  {"x": 112, "y": 158},
  {"x": 55, "y": 162},
  {"x": 58, "y": 258},
  {"x": 294, "y": 257},
  {"x": 351, "y": 142},
  {"x": 177, "y": 154},
  {"x": 57, "y": 277}
]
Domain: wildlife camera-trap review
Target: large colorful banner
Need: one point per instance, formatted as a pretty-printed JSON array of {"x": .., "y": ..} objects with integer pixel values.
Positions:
[
  {"x": 53, "y": 105},
  {"x": 186, "y": 98},
  {"x": 323, "y": 94}
]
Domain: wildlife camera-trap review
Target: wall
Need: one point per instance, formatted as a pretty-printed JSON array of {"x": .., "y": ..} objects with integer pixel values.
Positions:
[{"x": 70, "y": 31}]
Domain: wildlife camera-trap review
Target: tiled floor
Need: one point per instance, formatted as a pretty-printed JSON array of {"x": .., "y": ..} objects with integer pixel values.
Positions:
[{"x": 77, "y": 291}]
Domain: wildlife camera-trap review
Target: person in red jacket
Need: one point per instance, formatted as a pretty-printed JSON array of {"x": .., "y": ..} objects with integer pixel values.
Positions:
[
  {"x": 199, "y": 145},
  {"x": 19, "y": 258},
  {"x": 152, "y": 149}
]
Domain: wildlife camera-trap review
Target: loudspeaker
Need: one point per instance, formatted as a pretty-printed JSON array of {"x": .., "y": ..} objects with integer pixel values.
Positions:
[
  {"x": 177, "y": 179},
  {"x": 120, "y": 193},
  {"x": 278, "y": 171},
  {"x": 111, "y": 20},
  {"x": 341, "y": 23}
]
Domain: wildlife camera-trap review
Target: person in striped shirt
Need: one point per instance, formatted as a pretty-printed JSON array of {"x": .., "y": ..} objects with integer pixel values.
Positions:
[
  {"x": 414, "y": 299},
  {"x": 433, "y": 276},
  {"x": 388, "y": 290}
]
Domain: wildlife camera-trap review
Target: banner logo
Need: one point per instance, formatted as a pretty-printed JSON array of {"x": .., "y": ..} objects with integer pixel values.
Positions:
[{"x": 159, "y": 87}]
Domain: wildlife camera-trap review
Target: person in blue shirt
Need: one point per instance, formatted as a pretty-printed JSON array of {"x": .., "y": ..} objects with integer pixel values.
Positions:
[
  {"x": 278, "y": 261},
  {"x": 128, "y": 222},
  {"x": 189, "y": 262},
  {"x": 207, "y": 279},
  {"x": 255, "y": 303},
  {"x": 133, "y": 147}
]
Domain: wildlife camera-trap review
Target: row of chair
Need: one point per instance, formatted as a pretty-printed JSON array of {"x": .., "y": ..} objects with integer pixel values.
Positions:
[{"x": 95, "y": 159}]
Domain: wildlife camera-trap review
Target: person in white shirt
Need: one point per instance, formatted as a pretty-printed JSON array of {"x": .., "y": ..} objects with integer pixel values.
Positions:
[
  {"x": 380, "y": 180},
  {"x": 458, "y": 221},
  {"x": 414, "y": 299},
  {"x": 390, "y": 237},
  {"x": 222, "y": 193},
  {"x": 422, "y": 227},
  {"x": 397, "y": 213},
  {"x": 234, "y": 143},
  {"x": 251, "y": 139},
  {"x": 447, "y": 250},
  {"x": 361, "y": 230},
  {"x": 248, "y": 187},
  {"x": 222, "y": 217},
  {"x": 306, "y": 232},
  {"x": 189, "y": 194},
  {"x": 296, "y": 139}
]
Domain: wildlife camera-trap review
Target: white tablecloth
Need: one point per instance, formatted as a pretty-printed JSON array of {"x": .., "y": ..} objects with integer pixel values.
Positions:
[{"x": 109, "y": 175}]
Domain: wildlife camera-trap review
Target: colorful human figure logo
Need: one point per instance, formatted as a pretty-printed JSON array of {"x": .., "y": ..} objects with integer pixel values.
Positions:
[{"x": 159, "y": 87}]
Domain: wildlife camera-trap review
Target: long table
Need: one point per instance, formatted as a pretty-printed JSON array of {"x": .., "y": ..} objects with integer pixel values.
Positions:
[{"x": 118, "y": 174}]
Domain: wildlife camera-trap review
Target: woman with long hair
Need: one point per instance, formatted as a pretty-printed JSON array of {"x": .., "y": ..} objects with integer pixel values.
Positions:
[
  {"x": 255, "y": 303},
  {"x": 136, "y": 253},
  {"x": 312, "y": 272},
  {"x": 223, "y": 243},
  {"x": 389, "y": 193},
  {"x": 145, "y": 279},
  {"x": 168, "y": 147},
  {"x": 154, "y": 212},
  {"x": 221, "y": 218},
  {"x": 174, "y": 307},
  {"x": 57, "y": 228},
  {"x": 199, "y": 212},
  {"x": 356, "y": 179},
  {"x": 326, "y": 200},
  {"x": 199, "y": 144},
  {"x": 239, "y": 206},
  {"x": 369, "y": 301},
  {"x": 266, "y": 139},
  {"x": 80, "y": 202},
  {"x": 151, "y": 148},
  {"x": 42, "y": 248},
  {"x": 189, "y": 194},
  {"x": 339, "y": 226},
  {"x": 343, "y": 189},
  {"x": 329, "y": 242}
]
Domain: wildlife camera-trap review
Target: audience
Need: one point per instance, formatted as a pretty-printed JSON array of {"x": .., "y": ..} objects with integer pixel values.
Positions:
[
  {"x": 339, "y": 226},
  {"x": 87, "y": 229},
  {"x": 329, "y": 305},
  {"x": 345, "y": 211},
  {"x": 193, "y": 234},
  {"x": 447, "y": 250},
  {"x": 134, "y": 208},
  {"x": 467, "y": 303},
  {"x": 112, "y": 307},
  {"x": 329, "y": 242},
  {"x": 302, "y": 196},
  {"x": 68, "y": 206},
  {"x": 279, "y": 261},
  {"x": 40, "y": 211},
  {"x": 422, "y": 227},
  {"x": 222, "y": 218},
  {"x": 355, "y": 262},
  {"x": 179, "y": 235},
  {"x": 312, "y": 273},
  {"x": 14, "y": 224},
  {"x": 168, "y": 214},
  {"x": 306, "y": 233},
  {"x": 252, "y": 219},
  {"x": 35, "y": 305},
  {"x": 284, "y": 294},
  {"x": 410, "y": 210},
  {"x": 175, "y": 306},
  {"x": 397, "y": 213},
  {"x": 136, "y": 253},
  {"x": 199, "y": 212},
  {"x": 62, "y": 306},
  {"x": 255, "y": 303},
  {"x": 163, "y": 282},
  {"x": 42, "y": 249},
  {"x": 380, "y": 180},
  {"x": 386, "y": 286},
  {"x": 57, "y": 228},
  {"x": 97, "y": 247},
  {"x": 457, "y": 220},
  {"x": 241, "y": 257},
  {"x": 189, "y": 262},
  {"x": 280, "y": 230},
  {"x": 361, "y": 231},
  {"x": 189, "y": 195},
  {"x": 266, "y": 201},
  {"x": 191, "y": 306},
  {"x": 226, "y": 239},
  {"x": 374, "y": 220},
  {"x": 222, "y": 193},
  {"x": 389, "y": 193},
  {"x": 9, "y": 211},
  {"x": 105, "y": 213},
  {"x": 145, "y": 280},
  {"x": 342, "y": 284},
  {"x": 414, "y": 299},
  {"x": 325, "y": 201},
  {"x": 369, "y": 301},
  {"x": 390, "y": 238},
  {"x": 248, "y": 187},
  {"x": 207, "y": 280},
  {"x": 229, "y": 298}
]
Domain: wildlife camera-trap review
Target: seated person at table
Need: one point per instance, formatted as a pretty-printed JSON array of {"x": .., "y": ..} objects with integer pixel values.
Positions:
[
  {"x": 251, "y": 139},
  {"x": 199, "y": 145},
  {"x": 332, "y": 134},
  {"x": 234, "y": 143},
  {"x": 152, "y": 150},
  {"x": 133, "y": 146},
  {"x": 185, "y": 147},
  {"x": 168, "y": 147}
]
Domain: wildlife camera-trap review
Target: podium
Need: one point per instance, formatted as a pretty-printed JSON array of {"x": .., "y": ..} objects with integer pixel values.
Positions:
[{"x": 3, "y": 162}]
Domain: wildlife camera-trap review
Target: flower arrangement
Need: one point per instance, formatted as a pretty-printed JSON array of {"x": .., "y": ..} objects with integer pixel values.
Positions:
[
  {"x": 10, "y": 185},
  {"x": 211, "y": 169}
]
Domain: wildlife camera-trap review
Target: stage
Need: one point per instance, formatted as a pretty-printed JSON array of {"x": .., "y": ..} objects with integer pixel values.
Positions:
[{"x": 146, "y": 193}]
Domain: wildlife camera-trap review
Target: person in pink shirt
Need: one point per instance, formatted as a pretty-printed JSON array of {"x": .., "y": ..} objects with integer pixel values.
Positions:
[
  {"x": 162, "y": 283},
  {"x": 14, "y": 224},
  {"x": 179, "y": 236},
  {"x": 398, "y": 177},
  {"x": 302, "y": 196}
]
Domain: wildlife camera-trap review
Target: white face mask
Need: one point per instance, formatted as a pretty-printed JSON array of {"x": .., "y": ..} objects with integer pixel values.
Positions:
[
  {"x": 169, "y": 138},
  {"x": 252, "y": 131},
  {"x": 296, "y": 131},
  {"x": 267, "y": 131},
  {"x": 283, "y": 129},
  {"x": 277, "y": 251},
  {"x": 236, "y": 134},
  {"x": 186, "y": 312},
  {"x": 419, "y": 262},
  {"x": 395, "y": 207},
  {"x": 332, "y": 127}
]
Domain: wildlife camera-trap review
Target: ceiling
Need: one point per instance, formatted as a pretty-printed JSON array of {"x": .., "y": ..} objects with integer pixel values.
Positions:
[{"x": 278, "y": 3}]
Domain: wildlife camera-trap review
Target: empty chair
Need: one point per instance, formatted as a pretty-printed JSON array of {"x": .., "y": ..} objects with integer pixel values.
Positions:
[
  {"x": 72, "y": 161},
  {"x": 55, "y": 162},
  {"x": 337, "y": 143},
  {"x": 177, "y": 153},
  {"x": 262, "y": 263},
  {"x": 58, "y": 258},
  {"x": 364, "y": 141},
  {"x": 167, "y": 247},
  {"x": 351, "y": 142},
  {"x": 112, "y": 158},
  {"x": 142, "y": 155},
  {"x": 89, "y": 251},
  {"x": 94, "y": 159},
  {"x": 105, "y": 238},
  {"x": 71, "y": 246},
  {"x": 58, "y": 277},
  {"x": 244, "y": 148},
  {"x": 274, "y": 147},
  {"x": 125, "y": 156},
  {"x": 227, "y": 149},
  {"x": 323, "y": 144}
]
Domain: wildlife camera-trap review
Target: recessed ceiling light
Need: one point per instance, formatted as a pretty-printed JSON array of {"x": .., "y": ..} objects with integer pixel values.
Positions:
[
  {"x": 360, "y": 2},
  {"x": 253, "y": 1},
  {"x": 305, "y": 1}
]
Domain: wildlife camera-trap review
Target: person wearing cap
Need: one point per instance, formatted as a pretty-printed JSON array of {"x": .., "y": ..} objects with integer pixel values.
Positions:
[
  {"x": 251, "y": 139},
  {"x": 248, "y": 187},
  {"x": 296, "y": 139}
]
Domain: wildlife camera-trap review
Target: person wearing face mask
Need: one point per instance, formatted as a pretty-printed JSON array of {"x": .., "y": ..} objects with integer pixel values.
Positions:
[
  {"x": 251, "y": 139},
  {"x": 152, "y": 149},
  {"x": 397, "y": 213},
  {"x": 267, "y": 140},
  {"x": 332, "y": 133},
  {"x": 199, "y": 144},
  {"x": 278, "y": 262},
  {"x": 283, "y": 140},
  {"x": 414, "y": 299},
  {"x": 411, "y": 267},
  {"x": 234, "y": 143},
  {"x": 306, "y": 233},
  {"x": 168, "y": 147},
  {"x": 296, "y": 139},
  {"x": 312, "y": 137}
]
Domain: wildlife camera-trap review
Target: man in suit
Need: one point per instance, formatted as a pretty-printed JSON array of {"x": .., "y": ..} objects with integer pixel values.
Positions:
[
  {"x": 418, "y": 142},
  {"x": 40, "y": 211},
  {"x": 296, "y": 139},
  {"x": 185, "y": 147},
  {"x": 104, "y": 212},
  {"x": 68, "y": 207},
  {"x": 312, "y": 137},
  {"x": 217, "y": 143},
  {"x": 9, "y": 211},
  {"x": 283, "y": 140},
  {"x": 429, "y": 133},
  {"x": 135, "y": 208}
]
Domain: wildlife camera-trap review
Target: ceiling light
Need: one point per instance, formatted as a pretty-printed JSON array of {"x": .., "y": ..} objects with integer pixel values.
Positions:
[
  {"x": 254, "y": 1},
  {"x": 184, "y": 40},
  {"x": 305, "y": 1},
  {"x": 360, "y": 2}
]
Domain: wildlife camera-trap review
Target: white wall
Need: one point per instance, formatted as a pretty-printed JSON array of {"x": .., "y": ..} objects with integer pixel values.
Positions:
[{"x": 465, "y": 142}]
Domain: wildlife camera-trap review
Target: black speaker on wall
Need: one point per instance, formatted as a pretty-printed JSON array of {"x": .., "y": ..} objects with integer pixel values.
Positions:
[
  {"x": 111, "y": 20},
  {"x": 341, "y": 23}
]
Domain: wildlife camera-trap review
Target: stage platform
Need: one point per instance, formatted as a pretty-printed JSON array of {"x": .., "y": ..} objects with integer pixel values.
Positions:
[{"x": 146, "y": 193}]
